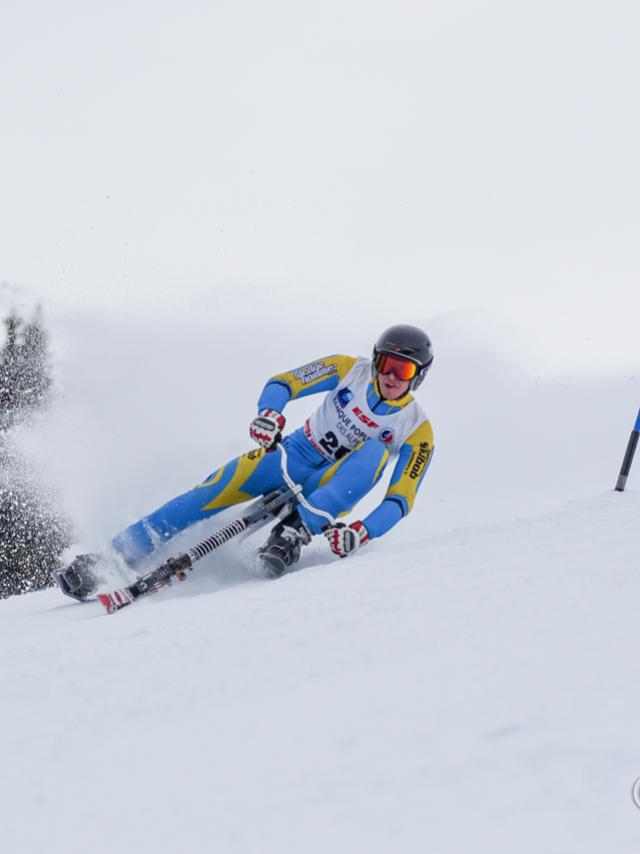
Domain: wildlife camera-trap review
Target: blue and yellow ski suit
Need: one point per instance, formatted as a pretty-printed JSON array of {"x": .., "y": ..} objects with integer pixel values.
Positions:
[{"x": 338, "y": 456}]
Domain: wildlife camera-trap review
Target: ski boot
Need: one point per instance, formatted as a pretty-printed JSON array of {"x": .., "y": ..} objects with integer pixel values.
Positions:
[
  {"x": 79, "y": 580},
  {"x": 283, "y": 547}
]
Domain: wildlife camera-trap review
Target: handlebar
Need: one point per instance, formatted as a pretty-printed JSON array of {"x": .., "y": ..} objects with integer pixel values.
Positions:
[{"x": 297, "y": 489}]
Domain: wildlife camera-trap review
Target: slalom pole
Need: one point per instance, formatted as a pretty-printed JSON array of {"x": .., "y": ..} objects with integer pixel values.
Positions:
[{"x": 628, "y": 457}]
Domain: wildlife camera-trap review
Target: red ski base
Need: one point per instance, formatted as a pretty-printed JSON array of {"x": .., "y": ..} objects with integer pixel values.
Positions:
[{"x": 115, "y": 601}]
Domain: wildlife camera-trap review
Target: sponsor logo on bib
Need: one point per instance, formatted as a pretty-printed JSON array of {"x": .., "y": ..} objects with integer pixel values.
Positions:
[
  {"x": 345, "y": 395},
  {"x": 364, "y": 418},
  {"x": 386, "y": 436}
]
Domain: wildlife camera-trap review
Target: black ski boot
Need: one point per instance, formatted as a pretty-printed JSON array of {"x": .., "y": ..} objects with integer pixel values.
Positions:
[
  {"x": 79, "y": 580},
  {"x": 283, "y": 547}
]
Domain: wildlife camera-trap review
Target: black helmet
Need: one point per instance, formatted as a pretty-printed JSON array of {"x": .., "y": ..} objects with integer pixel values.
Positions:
[{"x": 410, "y": 343}]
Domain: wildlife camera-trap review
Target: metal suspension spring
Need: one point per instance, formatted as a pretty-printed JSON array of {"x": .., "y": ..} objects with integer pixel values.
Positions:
[{"x": 216, "y": 540}]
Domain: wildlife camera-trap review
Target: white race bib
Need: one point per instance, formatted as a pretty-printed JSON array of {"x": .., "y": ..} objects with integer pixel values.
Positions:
[{"x": 345, "y": 419}]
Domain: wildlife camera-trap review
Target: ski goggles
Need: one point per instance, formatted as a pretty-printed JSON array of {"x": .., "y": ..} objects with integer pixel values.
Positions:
[{"x": 402, "y": 368}]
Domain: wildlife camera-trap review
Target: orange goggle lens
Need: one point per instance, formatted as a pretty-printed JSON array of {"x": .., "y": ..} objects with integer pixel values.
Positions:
[{"x": 402, "y": 368}]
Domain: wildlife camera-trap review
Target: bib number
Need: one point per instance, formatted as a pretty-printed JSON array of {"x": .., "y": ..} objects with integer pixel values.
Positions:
[{"x": 332, "y": 446}]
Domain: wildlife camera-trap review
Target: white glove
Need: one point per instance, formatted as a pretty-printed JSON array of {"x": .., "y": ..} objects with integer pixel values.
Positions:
[
  {"x": 345, "y": 539},
  {"x": 267, "y": 428}
]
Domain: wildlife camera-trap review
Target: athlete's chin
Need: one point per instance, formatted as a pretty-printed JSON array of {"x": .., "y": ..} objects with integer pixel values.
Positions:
[{"x": 391, "y": 392}]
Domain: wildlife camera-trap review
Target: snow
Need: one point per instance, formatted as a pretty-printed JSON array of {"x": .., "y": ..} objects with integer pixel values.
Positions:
[
  {"x": 203, "y": 195},
  {"x": 471, "y": 691}
]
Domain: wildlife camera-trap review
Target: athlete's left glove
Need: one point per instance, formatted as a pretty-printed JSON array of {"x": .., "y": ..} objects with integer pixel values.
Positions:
[
  {"x": 345, "y": 539},
  {"x": 267, "y": 428}
]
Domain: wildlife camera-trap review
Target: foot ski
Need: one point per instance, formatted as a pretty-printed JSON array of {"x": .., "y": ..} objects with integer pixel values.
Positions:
[
  {"x": 154, "y": 580},
  {"x": 177, "y": 567},
  {"x": 282, "y": 549}
]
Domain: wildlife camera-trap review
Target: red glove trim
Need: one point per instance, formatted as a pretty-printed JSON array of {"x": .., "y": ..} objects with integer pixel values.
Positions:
[{"x": 344, "y": 540}]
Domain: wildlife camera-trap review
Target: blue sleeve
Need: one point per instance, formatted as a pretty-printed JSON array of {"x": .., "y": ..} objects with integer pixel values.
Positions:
[
  {"x": 383, "y": 518},
  {"x": 413, "y": 461},
  {"x": 275, "y": 395},
  {"x": 321, "y": 375}
]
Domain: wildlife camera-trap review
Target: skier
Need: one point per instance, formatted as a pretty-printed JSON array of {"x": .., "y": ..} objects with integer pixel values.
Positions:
[{"x": 338, "y": 456}]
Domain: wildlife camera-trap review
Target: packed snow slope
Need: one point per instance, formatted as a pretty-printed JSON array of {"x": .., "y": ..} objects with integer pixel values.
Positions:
[
  {"x": 467, "y": 683},
  {"x": 474, "y": 691}
]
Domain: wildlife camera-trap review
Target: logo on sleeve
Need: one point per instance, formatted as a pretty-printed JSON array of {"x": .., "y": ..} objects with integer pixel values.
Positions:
[
  {"x": 314, "y": 371},
  {"x": 417, "y": 462}
]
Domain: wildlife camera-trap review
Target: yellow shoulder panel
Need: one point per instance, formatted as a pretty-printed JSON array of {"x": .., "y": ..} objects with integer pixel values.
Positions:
[
  {"x": 423, "y": 433},
  {"x": 327, "y": 371}
]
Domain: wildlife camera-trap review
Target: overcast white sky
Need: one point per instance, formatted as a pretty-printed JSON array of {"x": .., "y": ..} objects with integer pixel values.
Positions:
[{"x": 374, "y": 159}]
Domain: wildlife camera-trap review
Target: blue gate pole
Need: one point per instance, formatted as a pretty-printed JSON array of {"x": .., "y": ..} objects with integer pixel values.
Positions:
[{"x": 628, "y": 457}]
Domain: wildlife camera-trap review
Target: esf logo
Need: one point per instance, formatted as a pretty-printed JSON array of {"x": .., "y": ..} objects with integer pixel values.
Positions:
[
  {"x": 344, "y": 396},
  {"x": 364, "y": 418},
  {"x": 386, "y": 436}
]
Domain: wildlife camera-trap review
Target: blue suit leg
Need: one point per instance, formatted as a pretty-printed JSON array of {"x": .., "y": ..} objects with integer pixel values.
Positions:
[
  {"x": 241, "y": 479},
  {"x": 340, "y": 487}
]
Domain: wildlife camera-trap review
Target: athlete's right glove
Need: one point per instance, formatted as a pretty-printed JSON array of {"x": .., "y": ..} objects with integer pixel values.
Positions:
[
  {"x": 267, "y": 428},
  {"x": 345, "y": 539}
]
